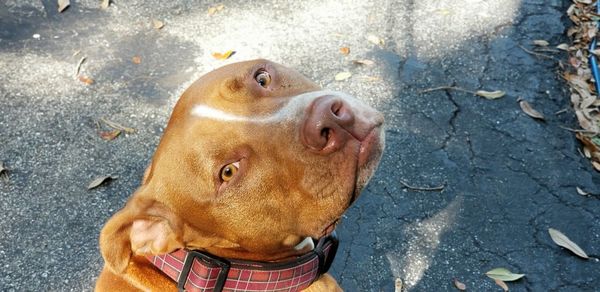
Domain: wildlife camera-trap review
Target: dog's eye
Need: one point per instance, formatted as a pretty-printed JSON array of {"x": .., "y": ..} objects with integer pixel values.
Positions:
[
  {"x": 229, "y": 171},
  {"x": 263, "y": 78}
]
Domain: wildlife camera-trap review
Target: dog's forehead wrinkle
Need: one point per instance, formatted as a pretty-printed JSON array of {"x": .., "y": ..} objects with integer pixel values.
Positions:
[{"x": 284, "y": 113}]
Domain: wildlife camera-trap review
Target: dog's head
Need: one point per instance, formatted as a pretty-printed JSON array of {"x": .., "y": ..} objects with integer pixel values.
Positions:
[{"x": 255, "y": 158}]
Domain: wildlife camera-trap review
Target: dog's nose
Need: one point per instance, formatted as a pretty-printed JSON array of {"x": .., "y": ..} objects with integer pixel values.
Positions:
[{"x": 329, "y": 124}]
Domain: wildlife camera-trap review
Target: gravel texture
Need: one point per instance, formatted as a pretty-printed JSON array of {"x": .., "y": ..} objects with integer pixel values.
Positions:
[{"x": 507, "y": 178}]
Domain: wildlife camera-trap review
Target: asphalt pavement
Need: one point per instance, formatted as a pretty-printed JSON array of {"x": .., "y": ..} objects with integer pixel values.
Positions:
[{"x": 466, "y": 184}]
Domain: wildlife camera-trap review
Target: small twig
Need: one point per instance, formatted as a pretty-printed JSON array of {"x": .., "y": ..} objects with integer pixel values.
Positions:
[
  {"x": 577, "y": 130},
  {"x": 427, "y": 189},
  {"x": 561, "y": 111},
  {"x": 537, "y": 54},
  {"x": 581, "y": 153},
  {"x": 448, "y": 88},
  {"x": 549, "y": 50},
  {"x": 78, "y": 67}
]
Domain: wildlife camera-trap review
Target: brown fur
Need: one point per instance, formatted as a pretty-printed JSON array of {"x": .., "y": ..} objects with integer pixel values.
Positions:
[{"x": 282, "y": 193}]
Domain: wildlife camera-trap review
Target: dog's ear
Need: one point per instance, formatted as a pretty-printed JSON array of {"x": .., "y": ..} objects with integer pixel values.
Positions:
[
  {"x": 146, "y": 176},
  {"x": 143, "y": 227}
]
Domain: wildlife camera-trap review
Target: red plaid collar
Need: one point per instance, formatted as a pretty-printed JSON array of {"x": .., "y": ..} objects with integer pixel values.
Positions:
[{"x": 202, "y": 272}]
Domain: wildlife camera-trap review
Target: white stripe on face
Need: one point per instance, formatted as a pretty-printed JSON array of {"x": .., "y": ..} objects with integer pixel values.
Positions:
[{"x": 294, "y": 107}]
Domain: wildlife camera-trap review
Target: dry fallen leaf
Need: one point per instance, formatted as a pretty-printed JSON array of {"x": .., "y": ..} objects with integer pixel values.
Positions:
[
  {"x": 345, "y": 51},
  {"x": 526, "y": 107},
  {"x": 2, "y": 168},
  {"x": 100, "y": 180},
  {"x": 63, "y": 4},
  {"x": 398, "y": 285},
  {"x": 110, "y": 135},
  {"x": 78, "y": 67},
  {"x": 574, "y": 62},
  {"x": 85, "y": 79},
  {"x": 443, "y": 11},
  {"x": 587, "y": 153},
  {"x": 460, "y": 286},
  {"x": 582, "y": 192},
  {"x": 563, "y": 47},
  {"x": 503, "y": 274},
  {"x": 342, "y": 76},
  {"x": 375, "y": 39},
  {"x": 117, "y": 126},
  {"x": 105, "y": 4},
  {"x": 490, "y": 94},
  {"x": 214, "y": 9},
  {"x": 541, "y": 43},
  {"x": 223, "y": 56},
  {"x": 564, "y": 241},
  {"x": 596, "y": 165},
  {"x": 3, "y": 171},
  {"x": 501, "y": 284},
  {"x": 363, "y": 62},
  {"x": 136, "y": 59},
  {"x": 370, "y": 78},
  {"x": 157, "y": 24}
]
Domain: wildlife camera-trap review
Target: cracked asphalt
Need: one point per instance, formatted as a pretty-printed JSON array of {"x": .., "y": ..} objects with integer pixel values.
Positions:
[{"x": 506, "y": 177}]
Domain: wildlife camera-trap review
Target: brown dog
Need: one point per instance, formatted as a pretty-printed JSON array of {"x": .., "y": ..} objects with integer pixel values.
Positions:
[{"x": 255, "y": 161}]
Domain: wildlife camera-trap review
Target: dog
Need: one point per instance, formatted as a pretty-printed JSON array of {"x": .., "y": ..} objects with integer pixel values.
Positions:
[{"x": 254, "y": 170}]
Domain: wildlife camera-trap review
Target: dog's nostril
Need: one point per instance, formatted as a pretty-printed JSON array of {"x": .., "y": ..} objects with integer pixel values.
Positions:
[
  {"x": 325, "y": 133},
  {"x": 336, "y": 108}
]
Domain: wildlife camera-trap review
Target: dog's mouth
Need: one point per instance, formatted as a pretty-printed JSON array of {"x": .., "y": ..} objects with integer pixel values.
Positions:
[{"x": 365, "y": 152}]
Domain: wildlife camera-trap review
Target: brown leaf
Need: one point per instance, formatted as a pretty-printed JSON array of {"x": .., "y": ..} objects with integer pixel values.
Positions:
[
  {"x": 501, "y": 284},
  {"x": 541, "y": 43},
  {"x": 223, "y": 56},
  {"x": 63, "y": 4},
  {"x": 117, "y": 126},
  {"x": 85, "y": 79},
  {"x": 574, "y": 62},
  {"x": 490, "y": 94},
  {"x": 100, "y": 180},
  {"x": 110, "y": 135},
  {"x": 526, "y": 107},
  {"x": 564, "y": 241},
  {"x": 363, "y": 62},
  {"x": 345, "y": 51},
  {"x": 342, "y": 76},
  {"x": 584, "y": 122},
  {"x": 105, "y": 4},
  {"x": 157, "y": 24},
  {"x": 460, "y": 286},
  {"x": 136, "y": 59}
]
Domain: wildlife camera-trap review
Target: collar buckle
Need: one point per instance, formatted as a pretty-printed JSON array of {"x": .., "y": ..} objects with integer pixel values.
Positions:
[
  {"x": 220, "y": 265},
  {"x": 326, "y": 249}
]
